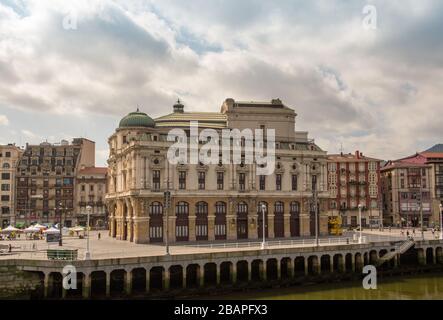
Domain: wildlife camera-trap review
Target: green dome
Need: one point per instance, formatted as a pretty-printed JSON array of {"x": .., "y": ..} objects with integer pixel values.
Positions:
[{"x": 137, "y": 119}]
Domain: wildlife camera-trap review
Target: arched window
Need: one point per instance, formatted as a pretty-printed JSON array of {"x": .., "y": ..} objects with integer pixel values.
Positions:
[
  {"x": 156, "y": 222},
  {"x": 201, "y": 222},
  {"x": 294, "y": 219},
  {"x": 220, "y": 221},
  {"x": 6, "y": 165},
  {"x": 156, "y": 208},
  {"x": 279, "y": 223},
  {"x": 242, "y": 220},
  {"x": 182, "y": 221}
]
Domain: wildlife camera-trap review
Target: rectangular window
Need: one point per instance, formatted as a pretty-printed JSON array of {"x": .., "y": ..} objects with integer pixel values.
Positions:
[
  {"x": 220, "y": 180},
  {"x": 156, "y": 179},
  {"x": 314, "y": 182},
  {"x": 8, "y": 154},
  {"x": 182, "y": 180},
  {"x": 241, "y": 181},
  {"x": 262, "y": 182},
  {"x": 6, "y": 187},
  {"x": 294, "y": 182},
  {"x": 5, "y": 198},
  {"x": 5, "y": 210},
  {"x": 278, "y": 182},
  {"x": 201, "y": 180},
  {"x": 6, "y": 176},
  {"x": 91, "y": 187},
  {"x": 83, "y": 187}
]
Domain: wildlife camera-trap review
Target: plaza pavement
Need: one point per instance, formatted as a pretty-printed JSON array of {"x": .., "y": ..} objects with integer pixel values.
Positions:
[{"x": 108, "y": 247}]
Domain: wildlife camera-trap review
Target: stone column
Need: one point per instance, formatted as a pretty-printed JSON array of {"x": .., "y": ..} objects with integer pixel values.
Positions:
[
  {"x": 271, "y": 234},
  {"x": 184, "y": 273},
  {"x": 264, "y": 274},
  {"x": 421, "y": 256},
  {"x": 218, "y": 275},
  {"x": 234, "y": 272},
  {"x": 306, "y": 260},
  {"x": 166, "y": 278},
  {"x": 353, "y": 262},
  {"x": 318, "y": 264},
  {"x": 211, "y": 227},
  {"x": 231, "y": 226},
  {"x": 148, "y": 280},
  {"x": 141, "y": 229},
  {"x": 128, "y": 282},
  {"x": 396, "y": 261},
  {"x": 192, "y": 227},
  {"x": 278, "y": 269},
  {"x": 305, "y": 229},
  {"x": 290, "y": 267},
  {"x": 249, "y": 271},
  {"x": 201, "y": 276},
  {"x": 341, "y": 264},
  {"x": 287, "y": 222},
  {"x": 252, "y": 225},
  {"x": 434, "y": 256},
  {"x": 171, "y": 228},
  {"x": 86, "y": 286},
  {"x": 331, "y": 263},
  {"x": 323, "y": 227},
  {"x": 108, "y": 283}
]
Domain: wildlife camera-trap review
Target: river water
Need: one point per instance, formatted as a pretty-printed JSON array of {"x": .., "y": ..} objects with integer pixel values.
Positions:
[{"x": 427, "y": 286}]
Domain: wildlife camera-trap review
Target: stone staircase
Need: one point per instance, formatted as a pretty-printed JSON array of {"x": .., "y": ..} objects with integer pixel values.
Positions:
[{"x": 402, "y": 248}]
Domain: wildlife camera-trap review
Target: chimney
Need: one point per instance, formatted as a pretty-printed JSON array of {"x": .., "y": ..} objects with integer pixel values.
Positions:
[{"x": 357, "y": 154}]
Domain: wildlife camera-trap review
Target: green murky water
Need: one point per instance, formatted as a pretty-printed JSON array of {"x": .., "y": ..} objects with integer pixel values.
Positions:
[{"x": 428, "y": 287}]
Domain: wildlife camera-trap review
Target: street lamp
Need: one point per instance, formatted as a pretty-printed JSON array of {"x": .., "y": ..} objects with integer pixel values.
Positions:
[
  {"x": 87, "y": 253},
  {"x": 441, "y": 221},
  {"x": 360, "y": 207},
  {"x": 263, "y": 208}
]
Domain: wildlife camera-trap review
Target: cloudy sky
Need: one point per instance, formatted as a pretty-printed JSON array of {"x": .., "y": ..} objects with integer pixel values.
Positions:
[{"x": 74, "y": 68}]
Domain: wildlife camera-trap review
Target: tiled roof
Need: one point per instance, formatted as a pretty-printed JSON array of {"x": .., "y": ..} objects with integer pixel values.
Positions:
[
  {"x": 182, "y": 119},
  {"x": 438, "y": 148},
  {"x": 350, "y": 158}
]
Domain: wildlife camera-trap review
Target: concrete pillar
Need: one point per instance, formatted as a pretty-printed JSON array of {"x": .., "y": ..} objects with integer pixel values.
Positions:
[
  {"x": 331, "y": 263},
  {"x": 434, "y": 256},
  {"x": 249, "y": 271},
  {"x": 166, "y": 279},
  {"x": 421, "y": 256},
  {"x": 396, "y": 261},
  {"x": 271, "y": 234},
  {"x": 128, "y": 282},
  {"x": 341, "y": 264},
  {"x": 148, "y": 280},
  {"x": 86, "y": 286},
  {"x": 318, "y": 264},
  {"x": 278, "y": 269},
  {"x": 264, "y": 273},
  {"x": 211, "y": 228},
  {"x": 353, "y": 262},
  {"x": 218, "y": 275},
  {"x": 46, "y": 285},
  {"x": 290, "y": 268},
  {"x": 306, "y": 260},
  {"x": 201, "y": 276},
  {"x": 234, "y": 272},
  {"x": 192, "y": 227},
  {"x": 184, "y": 273},
  {"x": 108, "y": 283}
]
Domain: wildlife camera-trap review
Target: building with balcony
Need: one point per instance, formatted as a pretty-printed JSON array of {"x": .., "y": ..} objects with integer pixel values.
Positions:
[
  {"x": 353, "y": 180},
  {"x": 9, "y": 157},
  {"x": 406, "y": 190},
  {"x": 45, "y": 180},
  {"x": 90, "y": 190},
  {"x": 216, "y": 201},
  {"x": 434, "y": 157}
]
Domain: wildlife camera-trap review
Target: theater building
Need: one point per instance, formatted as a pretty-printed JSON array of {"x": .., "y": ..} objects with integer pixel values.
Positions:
[{"x": 215, "y": 201}]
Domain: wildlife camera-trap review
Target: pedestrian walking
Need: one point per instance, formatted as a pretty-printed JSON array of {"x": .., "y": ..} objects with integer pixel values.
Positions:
[
  {"x": 99, "y": 236},
  {"x": 10, "y": 248}
]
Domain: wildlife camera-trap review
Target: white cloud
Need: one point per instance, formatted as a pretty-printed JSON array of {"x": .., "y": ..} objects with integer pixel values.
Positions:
[
  {"x": 348, "y": 85},
  {"x": 4, "y": 121}
]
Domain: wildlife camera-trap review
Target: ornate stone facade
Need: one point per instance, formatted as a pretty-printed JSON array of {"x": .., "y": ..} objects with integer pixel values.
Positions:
[{"x": 215, "y": 201}]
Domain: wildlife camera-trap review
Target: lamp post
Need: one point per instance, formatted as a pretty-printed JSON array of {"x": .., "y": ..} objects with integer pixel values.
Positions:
[
  {"x": 360, "y": 207},
  {"x": 441, "y": 221},
  {"x": 87, "y": 253},
  {"x": 263, "y": 243}
]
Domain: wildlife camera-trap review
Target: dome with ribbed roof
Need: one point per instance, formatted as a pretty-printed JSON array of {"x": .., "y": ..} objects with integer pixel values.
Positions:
[{"x": 137, "y": 119}]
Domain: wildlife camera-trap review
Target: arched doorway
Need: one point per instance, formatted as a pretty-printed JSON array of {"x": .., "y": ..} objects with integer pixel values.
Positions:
[
  {"x": 182, "y": 221},
  {"x": 201, "y": 222},
  {"x": 295, "y": 219},
  {"x": 279, "y": 222},
  {"x": 242, "y": 220},
  {"x": 220, "y": 220},
  {"x": 155, "y": 222}
]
